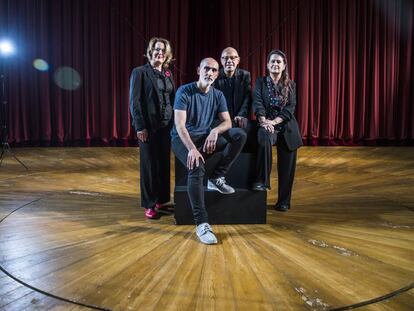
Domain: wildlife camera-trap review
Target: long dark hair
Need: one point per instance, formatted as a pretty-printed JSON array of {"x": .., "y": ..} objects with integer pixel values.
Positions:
[{"x": 284, "y": 81}]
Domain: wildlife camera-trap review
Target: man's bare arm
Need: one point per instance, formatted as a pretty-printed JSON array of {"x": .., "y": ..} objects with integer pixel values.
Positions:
[
  {"x": 211, "y": 140},
  {"x": 225, "y": 123}
]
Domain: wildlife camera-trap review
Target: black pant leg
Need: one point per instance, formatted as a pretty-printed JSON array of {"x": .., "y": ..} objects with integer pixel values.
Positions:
[
  {"x": 163, "y": 158},
  {"x": 251, "y": 141},
  {"x": 196, "y": 193},
  {"x": 148, "y": 171},
  {"x": 195, "y": 178},
  {"x": 232, "y": 145},
  {"x": 286, "y": 167},
  {"x": 265, "y": 141},
  {"x": 251, "y": 135}
]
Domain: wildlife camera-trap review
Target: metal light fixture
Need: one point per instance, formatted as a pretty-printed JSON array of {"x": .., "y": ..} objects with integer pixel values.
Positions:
[{"x": 7, "y": 49}]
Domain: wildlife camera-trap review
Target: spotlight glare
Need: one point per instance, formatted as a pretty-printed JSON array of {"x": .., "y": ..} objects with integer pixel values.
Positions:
[{"x": 6, "y": 47}]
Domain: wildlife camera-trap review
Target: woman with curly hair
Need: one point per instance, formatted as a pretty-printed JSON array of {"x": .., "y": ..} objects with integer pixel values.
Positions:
[{"x": 152, "y": 94}]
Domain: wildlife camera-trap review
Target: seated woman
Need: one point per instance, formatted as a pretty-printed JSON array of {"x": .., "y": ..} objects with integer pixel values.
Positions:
[{"x": 274, "y": 101}]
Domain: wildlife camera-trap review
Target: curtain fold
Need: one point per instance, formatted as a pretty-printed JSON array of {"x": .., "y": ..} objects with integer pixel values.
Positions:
[{"x": 351, "y": 60}]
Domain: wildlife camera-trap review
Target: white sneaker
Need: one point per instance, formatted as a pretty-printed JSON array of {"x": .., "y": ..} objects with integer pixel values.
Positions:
[
  {"x": 205, "y": 234},
  {"x": 219, "y": 184}
]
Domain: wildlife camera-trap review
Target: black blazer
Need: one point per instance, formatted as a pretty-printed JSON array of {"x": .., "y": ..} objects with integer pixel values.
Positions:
[
  {"x": 242, "y": 91},
  {"x": 144, "y": 101},
  {"x": 261, "y": 101}
]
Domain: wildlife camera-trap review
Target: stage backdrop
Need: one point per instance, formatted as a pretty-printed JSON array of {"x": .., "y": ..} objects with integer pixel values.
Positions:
[{"x": 351, "y": 59}]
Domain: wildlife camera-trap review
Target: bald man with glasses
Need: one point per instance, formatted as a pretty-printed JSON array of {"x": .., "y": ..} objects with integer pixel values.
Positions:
[{"x": 235, "y": 85}]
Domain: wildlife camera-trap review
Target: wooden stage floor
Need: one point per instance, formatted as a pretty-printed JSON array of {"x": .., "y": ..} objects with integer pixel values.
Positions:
[{"x": 71, "y": 234}]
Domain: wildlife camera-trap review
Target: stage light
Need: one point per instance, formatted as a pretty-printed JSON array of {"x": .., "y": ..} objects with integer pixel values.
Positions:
[{"x": 6, "y": 47}]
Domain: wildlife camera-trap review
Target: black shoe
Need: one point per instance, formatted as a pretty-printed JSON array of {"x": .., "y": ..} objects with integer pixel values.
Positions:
[
  {"x": 257, "y": 186},
  {"x": 282, "y": 207}
]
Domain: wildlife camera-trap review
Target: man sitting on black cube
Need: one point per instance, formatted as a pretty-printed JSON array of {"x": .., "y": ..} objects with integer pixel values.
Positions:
[
  {"x": 235, "y": 85},
  {"x": 196, "y": 106}
]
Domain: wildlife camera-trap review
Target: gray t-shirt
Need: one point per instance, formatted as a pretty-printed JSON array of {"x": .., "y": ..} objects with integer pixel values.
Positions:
[{"x": 202, "y": 108}]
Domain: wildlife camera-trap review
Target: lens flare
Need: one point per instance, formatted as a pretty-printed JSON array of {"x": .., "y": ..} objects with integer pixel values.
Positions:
[
  {"x": 40, "y": 64},
  {"x": 67, "y": 78}
]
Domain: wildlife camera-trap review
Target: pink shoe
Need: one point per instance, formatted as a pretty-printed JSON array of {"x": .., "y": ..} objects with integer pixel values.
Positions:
[
  {"x": 161, "y": 207},
  {"x": 151, "y": 213}
]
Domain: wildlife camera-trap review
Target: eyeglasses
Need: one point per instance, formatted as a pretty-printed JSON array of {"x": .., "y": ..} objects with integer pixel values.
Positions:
[
  {"x": 226, "y": 58},
  {"x": 159, "y": 50}
]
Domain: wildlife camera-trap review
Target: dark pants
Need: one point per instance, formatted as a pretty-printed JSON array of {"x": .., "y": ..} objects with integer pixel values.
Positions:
[
  {"x": 155, "y": 168},
  {"x": 230, "y": 147},
  {"x": 286, "y": 163},
  {"x": 251, "y": 134}
]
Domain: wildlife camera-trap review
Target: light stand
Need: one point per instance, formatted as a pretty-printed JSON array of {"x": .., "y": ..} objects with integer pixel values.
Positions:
[{"x": 5, "y": 147}]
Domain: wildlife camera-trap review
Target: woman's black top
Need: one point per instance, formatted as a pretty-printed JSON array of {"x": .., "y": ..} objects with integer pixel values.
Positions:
[
  {"x": 164, "y": 89},
  {"x": 268, "y": 102},
  {"x": 151, "y": 98}
]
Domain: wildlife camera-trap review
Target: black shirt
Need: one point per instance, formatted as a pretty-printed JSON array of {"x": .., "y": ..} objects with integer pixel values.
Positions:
[
  {"x": 164, "y": 89},
  {"x": 228, "y": 91}
]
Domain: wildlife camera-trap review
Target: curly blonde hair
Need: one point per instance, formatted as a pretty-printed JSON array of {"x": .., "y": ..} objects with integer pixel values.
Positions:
[{"x": 168, "y": 50}]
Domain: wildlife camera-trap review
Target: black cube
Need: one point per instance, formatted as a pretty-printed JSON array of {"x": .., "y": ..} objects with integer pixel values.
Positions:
[{"x": 242, "y": 207}]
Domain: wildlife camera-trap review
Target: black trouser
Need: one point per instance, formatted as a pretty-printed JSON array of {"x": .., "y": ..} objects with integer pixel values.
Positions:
[
  {"x": 155, "y": 168},
  {"x": 251, "y": 134},
  {"x": 286, "y": 163},
  {"x": 230, "y": 147}
]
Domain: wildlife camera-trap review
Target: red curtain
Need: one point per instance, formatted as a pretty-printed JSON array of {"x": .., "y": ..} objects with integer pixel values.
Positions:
[{"x": 351, "y": 59}]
